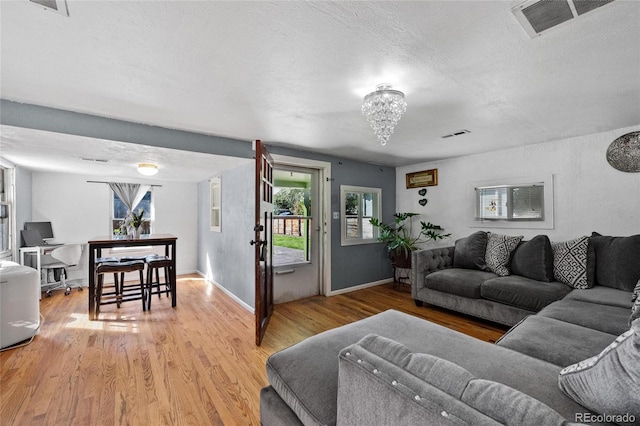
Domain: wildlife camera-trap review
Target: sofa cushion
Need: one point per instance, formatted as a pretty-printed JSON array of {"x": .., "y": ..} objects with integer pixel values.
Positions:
[
  {"x": 606, "y": 318},
  {"x": 570, "y": 343},
  {"x": 570, "y": 262},
  {"x": 608, "y": 383},
  {"x": 602, "y": 295},
  {"x": 616, "y": 261},
  {"x": 469, "y": 252},
  {"x": 462, "y": 282},
  {"x": 498, "y": 253},
  {"x": 306, "y": 374},
  {"x": 382, "y": 382},
  {"x": 534, "y": 259},
  {"x": 523, "y": 292}
]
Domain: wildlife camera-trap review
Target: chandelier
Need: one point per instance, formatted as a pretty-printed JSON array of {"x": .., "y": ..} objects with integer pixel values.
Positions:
[{"x": 383, "y": 108}]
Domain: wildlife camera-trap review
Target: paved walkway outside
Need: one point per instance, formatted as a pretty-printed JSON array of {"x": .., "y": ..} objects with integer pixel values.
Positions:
[{"x": 286, "y": 256}]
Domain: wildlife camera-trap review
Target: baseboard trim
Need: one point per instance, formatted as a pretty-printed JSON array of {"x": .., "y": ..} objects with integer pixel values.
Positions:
[
  {"x": 360, "y": 287},
  {"x": 227, "y": 292}
]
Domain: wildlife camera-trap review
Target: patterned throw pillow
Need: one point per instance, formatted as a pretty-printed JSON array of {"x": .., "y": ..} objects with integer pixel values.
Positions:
[
  {"x": 607, "y": 382},
  {"x": 570, "y": 262},
  {"x": 498, "y": 253},
  {"x": 636, "y": 292}
]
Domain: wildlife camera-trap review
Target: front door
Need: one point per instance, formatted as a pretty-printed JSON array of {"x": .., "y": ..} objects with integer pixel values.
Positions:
[
  {"x": 263, "y": 241},
  {"x": 297, "y": 238}
]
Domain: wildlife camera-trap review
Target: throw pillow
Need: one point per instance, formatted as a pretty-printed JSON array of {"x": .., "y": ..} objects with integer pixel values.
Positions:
[
  {"x": 469, "y": 251},
  {"x": 608, "y": 383},
  {"x": 616, "y": 261},
  {"x": 498, "y": 253},
  {"x": 636, "y": 292},
  {"x": 534, "y": 259},
  {"x": 570, "y": 262}
]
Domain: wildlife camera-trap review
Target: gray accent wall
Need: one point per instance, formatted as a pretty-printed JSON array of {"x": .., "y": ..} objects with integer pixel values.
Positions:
[
  {"x": 358, "y": 264},
  {"x": 226, "y": 257}
]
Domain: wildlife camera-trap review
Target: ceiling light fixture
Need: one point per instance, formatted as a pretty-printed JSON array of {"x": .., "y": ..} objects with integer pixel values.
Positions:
[
  {"x": 383, "y": 108},
  {"x": 147, "y": 169}
]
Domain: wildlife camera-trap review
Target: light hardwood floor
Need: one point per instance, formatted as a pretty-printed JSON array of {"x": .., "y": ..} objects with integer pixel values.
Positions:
[{"x": 195, "y": 364}]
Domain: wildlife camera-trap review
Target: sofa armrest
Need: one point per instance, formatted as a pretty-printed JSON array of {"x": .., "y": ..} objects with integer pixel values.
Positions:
[{"x": 424, "y": 262}]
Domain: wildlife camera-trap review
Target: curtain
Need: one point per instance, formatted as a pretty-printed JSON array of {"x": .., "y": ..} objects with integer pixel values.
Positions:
[{"x": 130, "y": 193}]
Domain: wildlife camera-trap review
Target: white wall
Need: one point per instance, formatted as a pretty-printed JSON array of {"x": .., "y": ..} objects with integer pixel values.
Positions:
[
  {"x": 589, "y": 195},
  {"x": 79, "y": 211}
]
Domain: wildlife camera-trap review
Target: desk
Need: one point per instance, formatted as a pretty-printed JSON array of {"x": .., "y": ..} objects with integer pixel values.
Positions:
[
  {"x": 39, "y": 251},
  {"x": 110, "y": 241}
]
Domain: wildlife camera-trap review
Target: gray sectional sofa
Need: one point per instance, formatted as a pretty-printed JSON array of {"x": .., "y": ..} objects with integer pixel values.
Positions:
[{"x": 574, "y": 359}]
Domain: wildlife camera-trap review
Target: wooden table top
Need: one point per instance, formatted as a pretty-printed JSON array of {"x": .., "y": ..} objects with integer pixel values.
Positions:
[{"x": 124, "y": 239}]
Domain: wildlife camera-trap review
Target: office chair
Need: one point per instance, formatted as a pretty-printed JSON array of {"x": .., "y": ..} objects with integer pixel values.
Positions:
[{"x": 63, "y": 257}]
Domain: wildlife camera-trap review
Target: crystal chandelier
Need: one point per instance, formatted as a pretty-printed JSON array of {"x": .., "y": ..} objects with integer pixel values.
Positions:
[{"x": 383, "y": 108}]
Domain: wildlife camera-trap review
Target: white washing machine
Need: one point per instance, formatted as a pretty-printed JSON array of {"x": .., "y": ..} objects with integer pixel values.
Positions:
[{"x": 19, "y": 303}]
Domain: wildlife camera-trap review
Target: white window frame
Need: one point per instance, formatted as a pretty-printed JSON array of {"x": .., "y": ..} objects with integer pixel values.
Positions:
[
  {"x": 377, "y": 212},
  {"x": 152, "y": 213},
  {"x": 215, "y": 184},
  {"x": 9, "y": 202},
  {"x": 505, "y": 204}
]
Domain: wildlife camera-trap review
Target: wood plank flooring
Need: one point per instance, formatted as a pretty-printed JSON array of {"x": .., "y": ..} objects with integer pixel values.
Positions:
[{"x": 193, "y": 365}]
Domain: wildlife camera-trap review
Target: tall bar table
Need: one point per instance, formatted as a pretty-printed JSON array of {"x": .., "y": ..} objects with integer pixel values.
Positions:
[{"x": 96, "y": 245}]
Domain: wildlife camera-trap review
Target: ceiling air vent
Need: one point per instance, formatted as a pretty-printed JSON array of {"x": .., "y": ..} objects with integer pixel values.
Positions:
[
  {"x": 458, "y": 133},
  {"x": 537, "y": 16},
  {"x": 58, "y": 6}
]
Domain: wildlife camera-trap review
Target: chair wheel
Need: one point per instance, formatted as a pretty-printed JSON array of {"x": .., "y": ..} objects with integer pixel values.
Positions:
[
  {"x": 80, "y": 289},
  {"x": 48, "y": 293}
]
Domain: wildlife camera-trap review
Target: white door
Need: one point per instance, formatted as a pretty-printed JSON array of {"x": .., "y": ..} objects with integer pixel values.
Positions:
[{"x": 297, "y": 233}]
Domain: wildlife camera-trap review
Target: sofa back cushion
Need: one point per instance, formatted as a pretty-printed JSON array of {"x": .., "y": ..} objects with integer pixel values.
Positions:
[
  {"x": 381, "y": 382},
  {"x": 469, "y": 252},
  {"x": 613, "y": 261},
  {"x": 534, "y": 259}
]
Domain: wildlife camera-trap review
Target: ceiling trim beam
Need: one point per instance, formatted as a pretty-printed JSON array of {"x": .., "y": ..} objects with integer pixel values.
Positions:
[{"x": 61, "y": 121}]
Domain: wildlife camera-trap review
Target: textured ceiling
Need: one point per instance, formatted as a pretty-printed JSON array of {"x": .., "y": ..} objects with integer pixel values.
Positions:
[{"x": 294, "y": 73}]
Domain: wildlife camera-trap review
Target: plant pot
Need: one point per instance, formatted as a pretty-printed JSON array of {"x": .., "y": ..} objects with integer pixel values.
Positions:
[{"x": 401, "y": 259}]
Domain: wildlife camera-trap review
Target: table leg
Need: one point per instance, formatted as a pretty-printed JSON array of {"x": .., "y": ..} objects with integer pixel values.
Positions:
[
  {"x": 92, "y": 283},
  {"x": 174, "y": 293}
]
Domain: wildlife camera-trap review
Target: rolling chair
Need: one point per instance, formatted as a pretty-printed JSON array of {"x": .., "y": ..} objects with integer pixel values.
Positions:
[{"x": 62, "y": 258}]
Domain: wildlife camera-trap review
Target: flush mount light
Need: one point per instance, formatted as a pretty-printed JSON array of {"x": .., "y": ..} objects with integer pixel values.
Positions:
[{"x": 147, "y": 169}]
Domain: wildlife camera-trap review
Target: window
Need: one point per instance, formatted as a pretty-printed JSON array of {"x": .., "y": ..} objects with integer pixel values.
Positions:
[
  {"x": 216, "y": 202},
  {"x": 510, "y": 202},
  {"x": 6, "y": 226},
  {"x": 119, "y": 212},
  {"x": 357, "y": 206}
]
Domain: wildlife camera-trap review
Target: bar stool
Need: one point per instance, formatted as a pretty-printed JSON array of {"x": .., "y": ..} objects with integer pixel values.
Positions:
[
  {"x": 156, "y": 262},
  {"x": 113, "y": 292},
  {"x": 123, "y": 293}
]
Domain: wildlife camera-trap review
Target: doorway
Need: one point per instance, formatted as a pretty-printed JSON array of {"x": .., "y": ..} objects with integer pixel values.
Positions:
[{"x": 297, "y": 233}]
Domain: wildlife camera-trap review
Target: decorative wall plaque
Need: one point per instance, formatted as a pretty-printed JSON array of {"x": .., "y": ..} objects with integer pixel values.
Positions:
[
  {"x": 624, "y": 153},
  {"x": 423, "y": 178}
]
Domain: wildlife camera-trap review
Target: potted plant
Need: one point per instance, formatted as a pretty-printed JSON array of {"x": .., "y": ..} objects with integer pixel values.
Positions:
[
  {"x": 132, "y": 223},
  {"x": 400, "y": 240}
]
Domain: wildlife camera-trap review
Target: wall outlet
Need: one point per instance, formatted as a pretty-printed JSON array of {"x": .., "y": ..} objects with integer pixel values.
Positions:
[{"x": 336, "y": 215}]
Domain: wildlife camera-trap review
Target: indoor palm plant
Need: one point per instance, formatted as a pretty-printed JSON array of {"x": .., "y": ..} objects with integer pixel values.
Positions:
[{"x": 400, "y": 240}]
